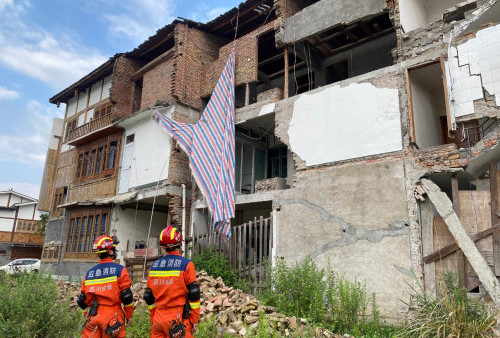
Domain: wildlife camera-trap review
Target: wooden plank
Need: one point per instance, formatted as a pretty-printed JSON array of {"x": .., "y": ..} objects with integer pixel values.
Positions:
[
  {"x": 412, "y": 111},
  {"x": 244, "y": 249},
  {"x": 286, "y": 69},
  {"x": 494, "y": 215},
  {"x": 446, "y": 98},
  {"x": 449, "y": 249},
  {"x": 444, "y": 207},
  {"x": 261, "y": 256},
  {"x": 456, "y": 206},
  {"x": 255, "y": 252}
]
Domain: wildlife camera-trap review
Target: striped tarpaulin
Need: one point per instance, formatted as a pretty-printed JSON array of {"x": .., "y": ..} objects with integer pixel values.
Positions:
[{"x": 210, "y": 146}]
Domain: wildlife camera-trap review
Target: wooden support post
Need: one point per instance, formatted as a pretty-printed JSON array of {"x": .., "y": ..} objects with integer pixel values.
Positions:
[
  {"x": 285, "y": 94},
  {"x": 247, "y": 94},
  {"x": 427, "y": 224},
  {"x": 445, "y": 209},
  {"x": 494, "y": 215},
  {"x": 456, "y": 207}
]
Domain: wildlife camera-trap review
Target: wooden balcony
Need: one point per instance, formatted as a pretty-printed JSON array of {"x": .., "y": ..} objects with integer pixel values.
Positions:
[
  {"x": 92, "y": 130},
  {"x": 22, "y": 238}
]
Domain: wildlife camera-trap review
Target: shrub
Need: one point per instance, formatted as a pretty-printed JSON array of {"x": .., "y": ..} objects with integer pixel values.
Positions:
[
  {"x": 216, "y": 264},
  {"x": 30, "y": 306},
  {"x": 450, "y": 314},
  {"x": 141, "y": 325},
  {"x": 323, "y": 297}
]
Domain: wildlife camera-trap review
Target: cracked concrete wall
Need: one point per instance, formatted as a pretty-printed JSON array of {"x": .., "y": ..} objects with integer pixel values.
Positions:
[
  {"x": 326, "y": 14},
  {"x": 358, "y": 220}
]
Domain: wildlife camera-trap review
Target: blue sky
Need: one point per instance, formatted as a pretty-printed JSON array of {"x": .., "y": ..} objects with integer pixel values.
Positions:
[{"x": 46, "y": 45}]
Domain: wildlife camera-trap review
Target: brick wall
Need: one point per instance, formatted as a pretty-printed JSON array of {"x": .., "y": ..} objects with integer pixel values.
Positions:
[
  {"x": 246, "y": 60},
  {"x": 157, "y": 84},
  {"x": 121, "y": 92},
  {"x": 195, "y": 49}
]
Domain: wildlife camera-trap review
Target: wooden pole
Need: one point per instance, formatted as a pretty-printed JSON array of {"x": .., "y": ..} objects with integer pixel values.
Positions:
[{"x": 285, "y": 94}]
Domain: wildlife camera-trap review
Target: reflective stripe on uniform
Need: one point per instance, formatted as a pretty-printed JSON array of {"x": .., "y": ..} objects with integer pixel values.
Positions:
[
  {"x": 194, "y": 305},
  {"x": 129, "y": 304},
  {"x": 151, "y": 306},
  {"x": 173, "y": 273},
  {"x": 101, "y": 280}
]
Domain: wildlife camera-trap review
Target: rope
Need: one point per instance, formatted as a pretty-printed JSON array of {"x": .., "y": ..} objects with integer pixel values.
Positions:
[{"x": 152, "y": 211}]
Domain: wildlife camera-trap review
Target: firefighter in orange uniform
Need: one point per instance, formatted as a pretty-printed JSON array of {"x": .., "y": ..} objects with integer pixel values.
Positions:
[
  {"x": 105, "y": 287},
  {"x": 173, "y": 295}
]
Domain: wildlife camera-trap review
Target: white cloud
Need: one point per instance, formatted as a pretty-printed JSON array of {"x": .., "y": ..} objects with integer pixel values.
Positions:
[
  {"x": 7, "y": 93},
  {"x": 28, "y": 189},
  {"x": 205, "y": 14},
  {"x": 139, "y": 19},
  {"x": 27, "y": 143},
  {"x": 35, "y": 52}
]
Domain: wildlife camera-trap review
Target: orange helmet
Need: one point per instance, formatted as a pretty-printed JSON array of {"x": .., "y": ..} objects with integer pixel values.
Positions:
[
  {"x": 170, "y": 237},
  {"x": 103, "y": 243}
]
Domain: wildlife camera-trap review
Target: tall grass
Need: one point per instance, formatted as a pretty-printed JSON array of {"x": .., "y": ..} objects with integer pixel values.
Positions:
[
  {"x": 30, "y": 307},
  {"x": 448, "y": 314},
  {"x": 324, "y": 297}
]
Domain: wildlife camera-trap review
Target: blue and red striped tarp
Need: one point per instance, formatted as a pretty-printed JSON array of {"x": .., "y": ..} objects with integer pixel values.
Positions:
[{"x": 210, "y": 146}]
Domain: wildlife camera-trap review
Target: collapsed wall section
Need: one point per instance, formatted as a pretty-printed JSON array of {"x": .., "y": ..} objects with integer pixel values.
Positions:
[{"x": 357, "y": 221}]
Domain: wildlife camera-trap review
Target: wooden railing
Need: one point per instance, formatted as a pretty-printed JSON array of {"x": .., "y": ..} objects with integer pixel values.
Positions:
[
  {"x": 248, "y": 250},
  {"x": 20, "y": 237},
  {"x": 26, "y": 225},
  {"x": 90, "y": 127}
]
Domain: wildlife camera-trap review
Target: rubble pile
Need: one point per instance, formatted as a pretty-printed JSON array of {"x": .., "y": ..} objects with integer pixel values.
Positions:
[{"x": 233, "y": 311}]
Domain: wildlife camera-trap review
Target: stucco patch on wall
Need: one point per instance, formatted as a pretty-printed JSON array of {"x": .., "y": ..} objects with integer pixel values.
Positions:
[{"x": 341, "y": 123}]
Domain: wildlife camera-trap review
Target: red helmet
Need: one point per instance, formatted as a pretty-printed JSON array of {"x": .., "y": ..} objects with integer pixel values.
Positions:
[
  {"x": 170, "y": 237},
  {"x": 103, "y": 243}
]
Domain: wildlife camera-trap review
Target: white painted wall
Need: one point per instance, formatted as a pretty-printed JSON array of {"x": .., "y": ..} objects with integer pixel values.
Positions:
[
  {"x": 427, "y": 127},
  {"x": 90, "y": 115},
  {"x": 95, "y": 93},
  {"x": 418, "y": 13},
  {"x": 412, "y": 14},
  {"x": 4, "y": 199},
  {"x": 57, "y": 130},
  {"x": 72, "y": 106},
  {"x": 151, "y": 153},
  {"x": 81, "y": 119},
  {"x": 16, "y": 199},
  {"x": 474, "y": 65},
  {"x": 6, "y": 224},
  {"x": 26, "y": 211},
  {"x": 106, "y": 87},
  {"x": 127, "y": 229},
  {"x": 343, "y": 123},
  {"x": 82, "y": 100}
]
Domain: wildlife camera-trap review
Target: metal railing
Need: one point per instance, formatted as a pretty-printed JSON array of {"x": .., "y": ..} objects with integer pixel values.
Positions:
[
  {"x": 470, "y": 136},
  {"x": 90, "y": 127}
]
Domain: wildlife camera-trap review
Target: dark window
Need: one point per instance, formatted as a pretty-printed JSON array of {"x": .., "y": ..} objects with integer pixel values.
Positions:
[
  {"x": 97, "y": 159},
  {"x": 277, "y": 162},
  {"x": 83, "y": 228}
]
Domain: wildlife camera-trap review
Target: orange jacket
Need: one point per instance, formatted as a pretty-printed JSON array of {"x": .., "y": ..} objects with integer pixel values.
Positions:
[
  {"x": 168, "y": 280},
  {"x": 105, "y": 281}
]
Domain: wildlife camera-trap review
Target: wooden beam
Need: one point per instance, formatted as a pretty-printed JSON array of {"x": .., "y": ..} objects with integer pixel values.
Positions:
[
  {"x": 246, "y": 22},
  {"x": 446, "y": 98},
  {"x": 271, "y": 59},
  {"x": 285, "y": 94},
  {"x": 444, "y": 207},
  {"x": 494, "y": 214},
  {"x": 300, "y": 64},
  {"x": 365, "y": 28},
  {"x": 449, "y": 249},
  {"x": 412, "y": 111},
  {"x": 376, "y": 35},
  {"x": 240, "y": 15},
  {"x": 166, "y": 38},
  {"x": 456, "y": 207}
]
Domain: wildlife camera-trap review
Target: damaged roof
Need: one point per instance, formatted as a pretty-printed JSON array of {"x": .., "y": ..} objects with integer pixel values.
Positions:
[{"x": 99, "y": 73}]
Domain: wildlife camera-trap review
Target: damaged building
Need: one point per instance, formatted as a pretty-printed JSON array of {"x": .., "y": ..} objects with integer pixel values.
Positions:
[{"x": 351, "y": 117}]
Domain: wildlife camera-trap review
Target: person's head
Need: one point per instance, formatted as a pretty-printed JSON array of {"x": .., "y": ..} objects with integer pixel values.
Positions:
[
  {"x": 170, "y": 238},
  {"x": 104, "y": 247}
]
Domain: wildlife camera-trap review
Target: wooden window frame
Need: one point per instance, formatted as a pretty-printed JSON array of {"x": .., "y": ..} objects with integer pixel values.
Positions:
[
  {"x": 70, "y": 125},
  {"x": 81, "y": 233},
  {"x": 59, "y": 197},
  {"x": 100, "y": 166},
  {"x": 102, "y": 111},
  {"x": 440, "y": 61},
  {"x": 51, "y": 252}
]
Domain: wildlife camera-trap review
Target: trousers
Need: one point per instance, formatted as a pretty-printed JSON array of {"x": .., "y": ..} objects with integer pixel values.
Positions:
[{"x": 96, "y": 325}]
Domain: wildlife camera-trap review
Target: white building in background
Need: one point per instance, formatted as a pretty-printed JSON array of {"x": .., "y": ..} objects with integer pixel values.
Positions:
[{"x": 18, "y": 223}]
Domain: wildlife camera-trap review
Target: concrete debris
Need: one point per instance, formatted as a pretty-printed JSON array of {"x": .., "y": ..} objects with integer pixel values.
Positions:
[{"x": 235, "y": 312}]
